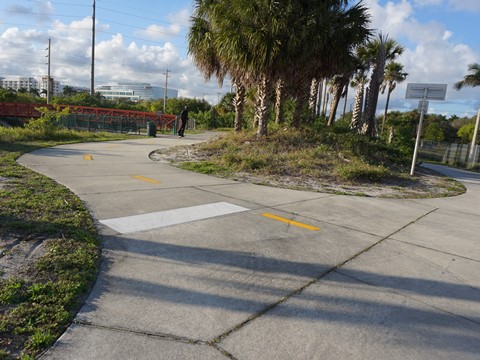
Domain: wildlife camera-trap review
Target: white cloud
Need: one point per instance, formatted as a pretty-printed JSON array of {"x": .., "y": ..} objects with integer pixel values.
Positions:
[
  {"x": 468, "y": 5},
  {"x": 431, "y": 54},
  {"x": 159, "y": 32}
]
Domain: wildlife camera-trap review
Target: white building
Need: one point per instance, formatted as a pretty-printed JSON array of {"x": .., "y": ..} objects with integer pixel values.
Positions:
[
  {"x": 30, "y": 83},
  {"x": 19, "y": 82},
  {"x": 55, "y": 87},
  {"x": 135, "y": 91}
]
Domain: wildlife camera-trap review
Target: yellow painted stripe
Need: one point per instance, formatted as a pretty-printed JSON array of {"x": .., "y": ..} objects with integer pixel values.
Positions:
[
  {"x": 146, "y": 179},
  {"x": 291, "y": 222},
  {"x": 87, "y": 157}
]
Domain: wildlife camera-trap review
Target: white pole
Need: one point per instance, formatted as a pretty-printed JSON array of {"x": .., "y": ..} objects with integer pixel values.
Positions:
[
  {"x": 92, "y": 65},
  {"x": 49, "y": 90},
  {"x": 474, "y": 141},
  {"x": 419, "y": 132}
]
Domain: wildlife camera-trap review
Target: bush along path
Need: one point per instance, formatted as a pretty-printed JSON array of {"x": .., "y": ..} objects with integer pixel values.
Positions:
[{"x": 49, "y": 249}]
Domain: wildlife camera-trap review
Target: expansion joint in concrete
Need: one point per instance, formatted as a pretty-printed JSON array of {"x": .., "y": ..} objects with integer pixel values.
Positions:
[{"x": 298, "y": 291}]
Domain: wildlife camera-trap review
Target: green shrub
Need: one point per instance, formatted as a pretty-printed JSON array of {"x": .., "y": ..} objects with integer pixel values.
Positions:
[{"x": 360, "y": 171}]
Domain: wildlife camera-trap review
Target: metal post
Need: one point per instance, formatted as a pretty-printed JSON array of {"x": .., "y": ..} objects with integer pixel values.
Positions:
[
  {"x": 473, "y": 148},
  {"x": 48, "y": 73},
  {"x": 419, "y": 132},
  {"x": 92, "y": 74},
  {"x": 165, "y": 93}
]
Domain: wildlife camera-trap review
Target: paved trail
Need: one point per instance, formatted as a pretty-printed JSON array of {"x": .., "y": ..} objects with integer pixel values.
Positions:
[{"x": 196, "y": 267}]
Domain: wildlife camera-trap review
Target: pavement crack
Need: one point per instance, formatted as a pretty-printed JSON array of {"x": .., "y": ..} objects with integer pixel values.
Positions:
[
  {"x": 299, "y": 290},
  {"x": 162, "y": 336},
  {"x": 436, "y": 250}
]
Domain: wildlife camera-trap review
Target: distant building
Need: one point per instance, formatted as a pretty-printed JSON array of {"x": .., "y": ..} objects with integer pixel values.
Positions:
[
  {"x": 30, "y": 83},
  {"x": 135, "y": 92},
  {"x": 19, "y": 82},
  {"x": 55, "y": 86}
]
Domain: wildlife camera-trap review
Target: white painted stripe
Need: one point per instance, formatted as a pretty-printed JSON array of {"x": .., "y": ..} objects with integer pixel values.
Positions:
[{"x": 129, "y": 224}]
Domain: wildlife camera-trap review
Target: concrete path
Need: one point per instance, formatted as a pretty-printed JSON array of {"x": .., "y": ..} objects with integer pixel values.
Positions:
[{"x": 196, "y": 267}]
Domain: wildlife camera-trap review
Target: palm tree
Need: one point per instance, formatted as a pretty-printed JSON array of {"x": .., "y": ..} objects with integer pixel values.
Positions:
[
  {"x": 359, "y": 81},
  {"x": 473, "y": 80},
  {"x": 339, "y": 83},
  {"x": 393, "y": 75},
  {"x": 201, "y": 46},
  {"x": 378, "y": 52},
  {"x": 269, "y": 40},
  {"x": 69, "y": 90}
]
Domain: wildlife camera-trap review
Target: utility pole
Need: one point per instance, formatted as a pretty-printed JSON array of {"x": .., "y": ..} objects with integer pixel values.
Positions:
[
  {"x": 165, "y": 93},
  {"x": 48, "y": 71},
  {"x": 92, "y": 76}
]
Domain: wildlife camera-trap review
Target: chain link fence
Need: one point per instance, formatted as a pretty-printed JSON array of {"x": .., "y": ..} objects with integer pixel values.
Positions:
[{"x": 450, "y": 154}]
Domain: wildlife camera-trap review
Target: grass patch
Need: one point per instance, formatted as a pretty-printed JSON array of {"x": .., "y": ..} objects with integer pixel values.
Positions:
[
  {"x": 324, "y": 159},
  {"x": 37, "y": 304},
  {"x": 204, "y": 167},
  {"x": 316, "y": 154}
]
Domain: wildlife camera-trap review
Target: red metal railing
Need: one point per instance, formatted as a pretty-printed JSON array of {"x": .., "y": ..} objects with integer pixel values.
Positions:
[{"x": 27, "y": 110}]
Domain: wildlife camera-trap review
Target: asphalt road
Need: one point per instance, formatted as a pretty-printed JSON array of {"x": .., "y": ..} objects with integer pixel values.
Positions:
[{"x": 196, "y": 267}]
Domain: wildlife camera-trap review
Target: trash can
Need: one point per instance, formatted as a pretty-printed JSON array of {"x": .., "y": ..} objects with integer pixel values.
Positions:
[{"x": 152, "y": 129}]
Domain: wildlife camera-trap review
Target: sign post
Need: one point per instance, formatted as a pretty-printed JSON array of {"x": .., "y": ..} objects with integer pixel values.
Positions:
[{"x": 423, "y": 92}]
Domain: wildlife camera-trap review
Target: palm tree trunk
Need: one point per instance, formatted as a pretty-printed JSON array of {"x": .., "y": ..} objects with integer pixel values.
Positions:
[
  {"x": 261, "y": 111},
  {"x": 345, "y": 102},
  {"x": 386, "y": 110},
  {"x": 356, "y": 122},
  {"x": 370, "y": 126},
  {"x": 325, "y": 97},
  {"x": 320, "y": 96},
  {"x": 337, "y": 92},
  {"x": 302, "y": 95},
  {"x": 238, "y": 102},
  {"x": 313, "y": 96},
  {"x": 279, "y": 96}
]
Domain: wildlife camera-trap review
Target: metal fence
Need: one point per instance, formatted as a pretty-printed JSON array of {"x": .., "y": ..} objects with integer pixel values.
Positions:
[
  {"x": 450, "y": 154},
  {"x": 108, "y": 123}
]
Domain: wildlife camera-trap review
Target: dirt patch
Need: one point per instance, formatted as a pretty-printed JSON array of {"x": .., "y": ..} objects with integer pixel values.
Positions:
[
  {"x": 425, "y": 184},
  {"x": 18, "y": 254}
]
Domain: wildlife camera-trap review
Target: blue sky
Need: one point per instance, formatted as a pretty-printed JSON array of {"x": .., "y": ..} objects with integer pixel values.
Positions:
[{"x": 140, "y": 40}]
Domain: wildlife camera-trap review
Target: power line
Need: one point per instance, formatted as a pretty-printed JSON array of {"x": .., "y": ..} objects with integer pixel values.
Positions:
[{"x": 138, "y": 16}]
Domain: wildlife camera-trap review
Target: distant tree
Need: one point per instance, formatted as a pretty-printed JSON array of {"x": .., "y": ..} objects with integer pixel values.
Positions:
[
  {"x": 433, "y": 132},
  {"x": 393, "y": 75},
  {"x": 473, "y": 80},
  {"x": 378, "y": 52},
  {"x": 69, "y": 90},
  {"x": 465, "y": 133},
  {"x": 7, "y": 95}
]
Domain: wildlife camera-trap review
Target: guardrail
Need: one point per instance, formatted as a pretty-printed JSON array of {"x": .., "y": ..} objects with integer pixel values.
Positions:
[{"x": 94, "y": 117}]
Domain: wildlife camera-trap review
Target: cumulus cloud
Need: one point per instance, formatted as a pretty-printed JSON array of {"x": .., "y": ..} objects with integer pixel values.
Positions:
[
  {"x": 40, "y": 12},
  {"x": 159, "y": 32},
  {"x": 431, "y": 55}
]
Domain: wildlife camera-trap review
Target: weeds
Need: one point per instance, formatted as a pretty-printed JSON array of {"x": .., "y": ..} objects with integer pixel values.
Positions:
[{"x": 37, "y": 305}]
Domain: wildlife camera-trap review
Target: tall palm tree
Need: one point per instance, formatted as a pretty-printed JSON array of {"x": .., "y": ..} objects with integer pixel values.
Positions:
[
  {"x": 473, "y": 80},
  {"x": 339, "y": 83},
  {"x": 393, "y": 75},
  {"x": 359, "y": 81},
  {"x": 269, "y": 40},
  {"x": 378, "y": 51}
]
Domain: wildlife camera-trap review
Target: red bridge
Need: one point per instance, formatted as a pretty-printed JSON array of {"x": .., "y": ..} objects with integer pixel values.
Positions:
[{"x": 140, "y": 118}]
